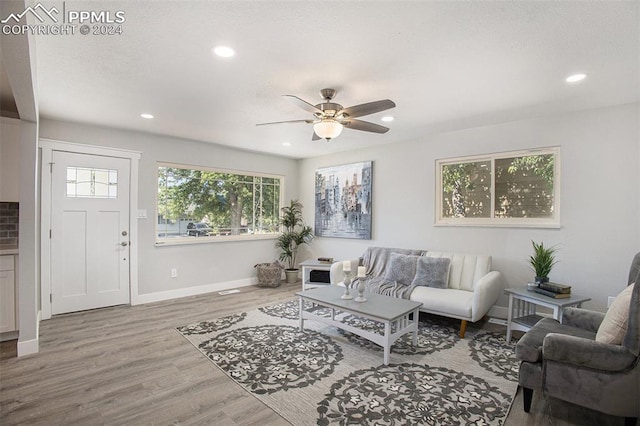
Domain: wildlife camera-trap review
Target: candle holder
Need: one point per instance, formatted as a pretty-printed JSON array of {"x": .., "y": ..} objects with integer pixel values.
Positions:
[
  {"x": 361, "y": 286},
  {"x": 347, "y": 283}
]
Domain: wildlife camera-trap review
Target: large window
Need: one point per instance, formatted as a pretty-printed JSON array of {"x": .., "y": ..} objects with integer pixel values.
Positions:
[
  {"x": 507, "y": 189},
  {"x": 200, "y": 204}
]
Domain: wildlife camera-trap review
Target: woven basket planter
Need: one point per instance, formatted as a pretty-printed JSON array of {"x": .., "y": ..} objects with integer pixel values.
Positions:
[{"x": 269, "y": 274}]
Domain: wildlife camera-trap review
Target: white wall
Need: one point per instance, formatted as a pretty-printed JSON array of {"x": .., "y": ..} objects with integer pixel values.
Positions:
[
  {"x": 28, "y": 240},
  {"x": 600, "y": 198},
  {"x": 200, "y": 266},
  {"x": 10, "y": 135}
]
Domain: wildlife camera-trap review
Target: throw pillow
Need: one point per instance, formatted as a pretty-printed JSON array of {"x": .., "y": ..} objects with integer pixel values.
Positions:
[
  {"x": 614, "y": 325},
  {"x": 401, "y": 268},
  {"x": 432, "y": 272}
]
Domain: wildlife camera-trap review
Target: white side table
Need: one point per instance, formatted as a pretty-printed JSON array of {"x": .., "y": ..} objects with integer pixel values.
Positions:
[
  {"x": 313, "y": 265},
  {"x": 522, "y": 308}
]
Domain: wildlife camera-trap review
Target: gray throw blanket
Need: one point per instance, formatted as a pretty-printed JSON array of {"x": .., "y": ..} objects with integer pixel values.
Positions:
[
  {"x": 389, "y": 288},
  {"x": 375, "y": 260}
]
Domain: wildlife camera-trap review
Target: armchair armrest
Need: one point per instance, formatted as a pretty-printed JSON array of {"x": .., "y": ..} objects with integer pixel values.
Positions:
[
  {"x": 336, "y": 274},
  {"x": 582, "y": 318},
  {"x": 586, "y": 353},
  {"x": 485, "y": 294}
]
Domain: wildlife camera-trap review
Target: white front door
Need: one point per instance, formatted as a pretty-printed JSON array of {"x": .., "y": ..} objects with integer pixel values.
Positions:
[{"x": 89, "y": 231}]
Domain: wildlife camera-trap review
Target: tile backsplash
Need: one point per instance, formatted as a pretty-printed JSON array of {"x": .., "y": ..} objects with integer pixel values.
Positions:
[{"x": 9, "y": 223}]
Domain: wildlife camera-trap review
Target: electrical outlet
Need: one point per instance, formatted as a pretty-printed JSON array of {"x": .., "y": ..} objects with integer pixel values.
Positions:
[
  {"x": 610, "y": 300},
  {"x": 174, "y": 272}
]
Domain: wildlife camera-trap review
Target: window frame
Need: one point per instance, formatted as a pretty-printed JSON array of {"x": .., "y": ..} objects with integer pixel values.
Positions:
[
  {"x": 492, "y": 221},
  {"x": 159, "y": 242}
]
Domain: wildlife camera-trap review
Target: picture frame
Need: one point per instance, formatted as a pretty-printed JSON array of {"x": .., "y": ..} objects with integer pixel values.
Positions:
[{"x": 343, "y": 201}]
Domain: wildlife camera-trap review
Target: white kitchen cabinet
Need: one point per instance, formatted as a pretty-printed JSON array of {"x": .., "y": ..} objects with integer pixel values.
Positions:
[{"x": 7, "y": 294}]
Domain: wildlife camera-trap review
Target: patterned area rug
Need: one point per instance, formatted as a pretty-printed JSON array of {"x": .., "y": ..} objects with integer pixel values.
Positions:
[{"x": 327, "y": 376}]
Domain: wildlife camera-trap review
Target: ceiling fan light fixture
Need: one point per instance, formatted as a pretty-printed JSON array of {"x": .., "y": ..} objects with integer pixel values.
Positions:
[{"x": 327, "y": 129}]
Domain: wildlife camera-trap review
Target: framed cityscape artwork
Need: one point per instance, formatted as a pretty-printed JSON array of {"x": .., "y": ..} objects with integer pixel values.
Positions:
[{"x": 343, "y": 201}]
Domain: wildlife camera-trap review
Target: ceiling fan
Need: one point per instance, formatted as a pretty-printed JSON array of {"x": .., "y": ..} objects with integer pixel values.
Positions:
[{"x": 330, "y": 118}]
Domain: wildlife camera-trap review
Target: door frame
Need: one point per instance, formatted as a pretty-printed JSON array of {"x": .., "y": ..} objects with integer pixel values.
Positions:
[{"x": 47, "y": 147}]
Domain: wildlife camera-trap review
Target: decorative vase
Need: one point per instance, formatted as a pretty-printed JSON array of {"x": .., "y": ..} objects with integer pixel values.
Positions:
[{"x": 292, "y": 275}]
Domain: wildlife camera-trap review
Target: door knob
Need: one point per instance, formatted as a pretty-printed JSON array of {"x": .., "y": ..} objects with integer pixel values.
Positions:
[{"x": 124, "y": 244}]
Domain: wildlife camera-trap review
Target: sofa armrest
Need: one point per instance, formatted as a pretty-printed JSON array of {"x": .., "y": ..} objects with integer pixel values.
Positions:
[
  {"x": 336, "y": 274},
  {"x": 582, "y": 318},
  {"x": 485, "y": 294},
  {"x": 586, "y": 353}
]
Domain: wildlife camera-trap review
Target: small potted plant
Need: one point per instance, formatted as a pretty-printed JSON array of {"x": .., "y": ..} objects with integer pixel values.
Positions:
[
  {"x": 542, "y": 261},
  {"x": 294, "y": 234}
]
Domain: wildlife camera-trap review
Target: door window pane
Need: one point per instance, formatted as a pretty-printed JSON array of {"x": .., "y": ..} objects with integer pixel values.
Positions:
[{"x": 85, "y": 182}]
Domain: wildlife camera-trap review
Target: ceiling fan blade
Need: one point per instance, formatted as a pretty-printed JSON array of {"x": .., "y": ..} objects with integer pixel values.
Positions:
[
  {"x": 315, "y": 137},
  {"x": 364, "y": 125},
  {"x": 287, "y": 121},
  {"x": 303, "y": 104},
  {"x": 368, "y": 108}
]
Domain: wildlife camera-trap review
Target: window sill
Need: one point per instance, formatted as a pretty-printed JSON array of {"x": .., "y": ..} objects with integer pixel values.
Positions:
[
  {"x": 213, "y": 240},
  {"x": 484, "y": 223}
]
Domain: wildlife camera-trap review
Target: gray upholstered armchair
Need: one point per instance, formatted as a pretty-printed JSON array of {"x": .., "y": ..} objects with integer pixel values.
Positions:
[{"x": 566, "y": 362}]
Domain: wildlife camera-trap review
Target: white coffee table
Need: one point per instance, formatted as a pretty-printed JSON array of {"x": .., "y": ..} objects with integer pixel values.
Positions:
[{"x": 394, "y": 313}]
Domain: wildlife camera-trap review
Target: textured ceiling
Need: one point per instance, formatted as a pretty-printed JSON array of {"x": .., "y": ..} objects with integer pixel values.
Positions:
[{"x": 447, "y": 65}]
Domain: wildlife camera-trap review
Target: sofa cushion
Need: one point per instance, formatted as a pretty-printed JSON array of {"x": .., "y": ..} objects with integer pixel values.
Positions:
[
  {"x": 444, "y": 301},
  {"x": 614, "y": 325},
  {"x": 466, "y": 269},
  {"x": 432, "y": 272},
  {"x": 401, "y": 268}
]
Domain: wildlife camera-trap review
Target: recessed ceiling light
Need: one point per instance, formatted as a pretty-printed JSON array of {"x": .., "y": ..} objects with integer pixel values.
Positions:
[
  {"x": 146, "y": 115},
  {"x": 387, "y": 118},
  {"x": 576, "y": 78},
  {"x": 286, "y": 144},
  {"x": 224, "y": 51}
]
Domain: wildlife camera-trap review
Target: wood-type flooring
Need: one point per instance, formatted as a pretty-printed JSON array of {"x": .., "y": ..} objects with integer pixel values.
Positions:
[{"x": 127, "y": 365}]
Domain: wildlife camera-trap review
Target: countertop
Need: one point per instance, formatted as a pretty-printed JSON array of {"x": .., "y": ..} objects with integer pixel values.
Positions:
[{"x": 8, "y": 249}]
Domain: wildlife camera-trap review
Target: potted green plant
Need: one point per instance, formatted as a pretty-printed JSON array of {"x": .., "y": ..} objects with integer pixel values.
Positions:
[
  {"x": 542, "y": 261},
  {"x": 294, "y": 234}
]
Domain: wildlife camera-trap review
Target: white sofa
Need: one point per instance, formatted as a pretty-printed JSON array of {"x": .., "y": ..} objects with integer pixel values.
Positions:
[{"x": 472, "y": 287}]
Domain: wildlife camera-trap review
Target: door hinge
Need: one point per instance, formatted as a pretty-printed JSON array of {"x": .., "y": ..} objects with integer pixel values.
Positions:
[
  {"x": 50, "y": 167},
  {"x": 49, "y": 233},
  {"x": 50, "y": 297}
]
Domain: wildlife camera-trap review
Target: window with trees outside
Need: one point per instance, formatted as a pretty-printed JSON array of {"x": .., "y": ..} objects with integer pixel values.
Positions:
[
  {"x": 520, "y": 188},
  {"x": 197, "y": 204}
]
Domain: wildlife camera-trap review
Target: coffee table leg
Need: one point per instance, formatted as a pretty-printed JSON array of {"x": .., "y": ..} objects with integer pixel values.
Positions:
[
  {"x": 416, "y": 322},
  {"x": 387, "y": 342},
  {"x": 301, "y": 309}
]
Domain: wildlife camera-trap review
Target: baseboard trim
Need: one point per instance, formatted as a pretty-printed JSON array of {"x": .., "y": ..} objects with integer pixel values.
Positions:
[
  {"x": 32, "y": 346},
  {"x": 192, "y": 291},
  {"x": 28, "y": 347},
  {"x": 498, "y": 312}
]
